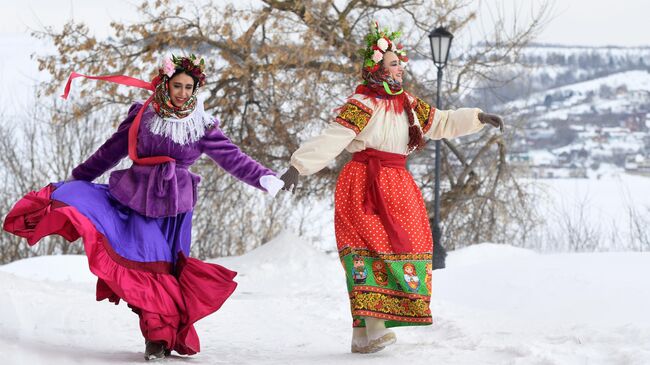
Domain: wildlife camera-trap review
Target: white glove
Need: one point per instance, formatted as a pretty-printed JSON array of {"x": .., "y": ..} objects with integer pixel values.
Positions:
[{"x": 272, "y": 184}]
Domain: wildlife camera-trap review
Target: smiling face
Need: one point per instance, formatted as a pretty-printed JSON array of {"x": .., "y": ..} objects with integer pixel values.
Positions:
[
  {"x": 181, "y": 87},
  {"x": 393, "y": 66}
]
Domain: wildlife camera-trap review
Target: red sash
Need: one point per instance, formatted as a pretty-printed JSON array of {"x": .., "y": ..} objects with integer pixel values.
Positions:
[{"x": 374, "y": 202}]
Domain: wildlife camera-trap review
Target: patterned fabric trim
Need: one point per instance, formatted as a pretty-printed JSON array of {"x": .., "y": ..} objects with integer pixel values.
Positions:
[
  {"x": 425, "y": 114},
  {"x": 354, "y": 115},
  {"x": 390, "y": 317},
  {"x": 390, "y": 292},
  {"x": 390, "y": 305},
  {"x": 385, "y": 256},
  {"x": 394, "y": 287},
  {"x": 361, "y": 105}
]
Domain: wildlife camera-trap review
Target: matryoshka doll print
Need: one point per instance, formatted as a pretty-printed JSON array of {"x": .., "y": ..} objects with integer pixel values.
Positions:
[
  {"x": 359, "y": 271},
  {"x": 411, "y": 277},
  {"x": 379, "y": 270}
]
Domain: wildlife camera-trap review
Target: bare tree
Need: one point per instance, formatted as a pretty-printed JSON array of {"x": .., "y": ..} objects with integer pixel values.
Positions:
[
  {"x": 35, "y": 151},
  {"x": 638, "y": 222},
  {"x": 279, "y": 68}
]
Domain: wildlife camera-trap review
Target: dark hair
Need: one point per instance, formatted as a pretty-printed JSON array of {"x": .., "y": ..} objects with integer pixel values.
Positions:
[{"x": 182, "y": 71}]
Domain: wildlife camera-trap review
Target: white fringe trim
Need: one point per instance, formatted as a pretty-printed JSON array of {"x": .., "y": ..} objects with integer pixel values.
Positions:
[{"x": 183, "y": 131}]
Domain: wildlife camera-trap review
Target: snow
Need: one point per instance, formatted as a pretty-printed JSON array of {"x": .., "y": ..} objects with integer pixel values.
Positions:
[
  {"x": 494, "y": 304},
  {"x": 636, "y": 80},
  {"x": 600, "y": 213},
  {"x": 542, "y": 157},
  {"x": 68, "y": 268},
  {"x": 574, "y": 50}
]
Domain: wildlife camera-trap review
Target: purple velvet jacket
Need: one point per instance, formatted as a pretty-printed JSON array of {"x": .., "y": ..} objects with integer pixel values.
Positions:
[{"x": 170, "y": 188}]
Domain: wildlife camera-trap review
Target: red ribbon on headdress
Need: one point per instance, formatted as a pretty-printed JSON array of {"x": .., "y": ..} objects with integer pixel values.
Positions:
[{"x": 133, "y": 130}]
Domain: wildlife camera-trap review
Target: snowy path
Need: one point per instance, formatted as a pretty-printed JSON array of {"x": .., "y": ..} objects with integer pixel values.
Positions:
[{"x": 494, "y": 304}]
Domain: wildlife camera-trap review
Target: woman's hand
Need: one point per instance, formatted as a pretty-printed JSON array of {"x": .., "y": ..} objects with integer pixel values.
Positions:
[
  {"x": 271, "y": 184},
  {"x": 290, "y": 179},
  {"x": 491, "y": 119}
]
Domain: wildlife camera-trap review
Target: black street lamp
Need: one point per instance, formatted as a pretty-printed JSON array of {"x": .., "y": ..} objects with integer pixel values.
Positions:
[{"x": 440, "y": 39}]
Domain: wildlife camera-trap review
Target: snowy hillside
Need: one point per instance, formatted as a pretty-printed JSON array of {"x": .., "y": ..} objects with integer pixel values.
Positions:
[
  {"x": 494, "y": 304},
  {"x": 575, "y": 129},
  {"x": 550, "y": 67},
  {"x": 576, "y": 95}
]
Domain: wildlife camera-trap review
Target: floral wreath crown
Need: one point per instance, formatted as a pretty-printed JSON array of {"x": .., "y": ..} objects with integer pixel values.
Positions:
[
  {"x": 192, "y": 65},
  {"x": 378, "y": 42}
]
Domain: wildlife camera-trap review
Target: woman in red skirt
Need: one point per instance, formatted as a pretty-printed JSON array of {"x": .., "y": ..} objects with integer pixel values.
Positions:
[
  {"x": 382, "y": 226},
  {"x": 137, "y": 230}
]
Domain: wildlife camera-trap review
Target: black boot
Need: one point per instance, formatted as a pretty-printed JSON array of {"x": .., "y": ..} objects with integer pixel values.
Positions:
[{"x": 154, "y": 350}]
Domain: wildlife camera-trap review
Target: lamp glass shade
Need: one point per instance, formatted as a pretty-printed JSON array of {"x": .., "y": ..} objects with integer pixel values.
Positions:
[{"x": 440, "y": 39}]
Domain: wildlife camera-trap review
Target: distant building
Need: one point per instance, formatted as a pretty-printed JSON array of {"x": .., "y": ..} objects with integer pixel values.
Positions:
[{"x": 637, "y": 164}]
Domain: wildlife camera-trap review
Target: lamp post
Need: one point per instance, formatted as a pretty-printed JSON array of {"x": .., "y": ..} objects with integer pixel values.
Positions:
[{"x": 440, "y": 39}]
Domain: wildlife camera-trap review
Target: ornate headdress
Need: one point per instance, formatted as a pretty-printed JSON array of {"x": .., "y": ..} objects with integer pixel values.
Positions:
[
  {"x": 379, "y": 42},
  {"x": 162, "y": 103},
  {"x": 191, "y": 65},
  {"x": 376, "y": 83}
]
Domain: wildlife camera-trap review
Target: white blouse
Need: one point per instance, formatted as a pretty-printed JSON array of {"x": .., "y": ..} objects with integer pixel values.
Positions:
[{"x": 366, "y": 122}]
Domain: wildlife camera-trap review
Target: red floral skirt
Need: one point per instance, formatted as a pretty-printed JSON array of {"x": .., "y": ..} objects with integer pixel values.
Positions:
[{"x": 383, "y": 284}]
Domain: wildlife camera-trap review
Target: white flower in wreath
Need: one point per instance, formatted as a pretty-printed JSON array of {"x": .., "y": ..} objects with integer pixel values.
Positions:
[
  {"x": 197, "y": 61},
  {"x": 377, "y": 56},
  {"x": 382, "y": 44}
]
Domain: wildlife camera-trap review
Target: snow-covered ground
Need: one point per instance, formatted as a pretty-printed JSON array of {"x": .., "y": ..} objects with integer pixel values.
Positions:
[
  {"x": 600, "y": 213},
  {"x": 494, "y": 304}
]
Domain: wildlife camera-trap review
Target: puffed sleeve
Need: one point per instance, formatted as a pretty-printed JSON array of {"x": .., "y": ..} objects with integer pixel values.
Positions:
[
  {"x": 110, "y": 153},
  {"x": 226, "y": 154},
  {"x": 316, "y": 153},
  {"x": 438, "y": 124}
]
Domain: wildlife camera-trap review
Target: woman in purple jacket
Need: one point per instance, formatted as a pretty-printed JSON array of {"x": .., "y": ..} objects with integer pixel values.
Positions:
[{"x": 137, "y": 229}]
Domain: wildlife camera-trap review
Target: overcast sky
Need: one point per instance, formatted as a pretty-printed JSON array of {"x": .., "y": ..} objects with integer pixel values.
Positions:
[
  {"x": 575, "y": 22},
  {"x": 599, "y": 22}
]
